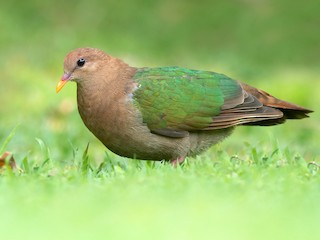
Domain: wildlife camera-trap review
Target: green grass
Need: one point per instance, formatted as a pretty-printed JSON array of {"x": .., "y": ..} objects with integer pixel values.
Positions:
[
  {"x": 266, "y": 195},
  {"x": 261, "y": 183}
]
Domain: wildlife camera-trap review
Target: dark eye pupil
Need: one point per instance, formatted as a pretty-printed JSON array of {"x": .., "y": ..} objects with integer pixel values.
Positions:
[{"x": 81, "y": 62}]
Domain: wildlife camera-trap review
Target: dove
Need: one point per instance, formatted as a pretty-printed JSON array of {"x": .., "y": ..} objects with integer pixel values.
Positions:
[{"x": 165, "y": 113}]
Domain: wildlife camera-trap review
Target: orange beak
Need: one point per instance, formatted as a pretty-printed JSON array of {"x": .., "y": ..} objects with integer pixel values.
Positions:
[
  {"x": 63, "y": 81},
  {"x": 60, "y": 85}
]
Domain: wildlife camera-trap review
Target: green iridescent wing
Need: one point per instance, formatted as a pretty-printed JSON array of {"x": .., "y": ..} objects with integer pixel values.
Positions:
[{"x": 176, "y": 100}]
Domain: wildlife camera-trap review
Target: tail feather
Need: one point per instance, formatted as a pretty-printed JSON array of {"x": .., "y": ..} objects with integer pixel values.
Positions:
[
  {"x": 290, "y": 110},
  {"x": 257, "y": 108}
]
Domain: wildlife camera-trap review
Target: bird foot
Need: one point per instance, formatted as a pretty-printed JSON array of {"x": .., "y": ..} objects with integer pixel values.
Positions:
[{"x": 177, "y": 161}]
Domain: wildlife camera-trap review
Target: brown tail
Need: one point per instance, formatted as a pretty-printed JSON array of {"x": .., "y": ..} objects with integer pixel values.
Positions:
[{"x": 290, "y": 110}]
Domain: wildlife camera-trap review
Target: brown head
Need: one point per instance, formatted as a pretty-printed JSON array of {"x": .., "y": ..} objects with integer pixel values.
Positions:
[{"x": 84, "y": 64}]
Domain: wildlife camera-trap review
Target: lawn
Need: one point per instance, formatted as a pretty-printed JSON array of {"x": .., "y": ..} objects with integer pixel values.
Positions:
[{"x": 260, "y": 183}]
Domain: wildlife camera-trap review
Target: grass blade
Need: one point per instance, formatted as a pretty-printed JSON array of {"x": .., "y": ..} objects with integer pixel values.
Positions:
[{"x": 8, "y": 139}]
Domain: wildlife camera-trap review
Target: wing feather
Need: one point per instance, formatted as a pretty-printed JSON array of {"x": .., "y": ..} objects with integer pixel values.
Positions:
[{"x": 174, "y": 101}]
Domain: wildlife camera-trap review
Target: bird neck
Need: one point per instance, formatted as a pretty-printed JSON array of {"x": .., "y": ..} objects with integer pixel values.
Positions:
[
  {"x": 109, "y": 82},
  {"x": 104, "y": 98}
]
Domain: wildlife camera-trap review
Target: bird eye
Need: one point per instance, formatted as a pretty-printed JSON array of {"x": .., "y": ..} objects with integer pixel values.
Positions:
[{"x": 81, "y": 62}]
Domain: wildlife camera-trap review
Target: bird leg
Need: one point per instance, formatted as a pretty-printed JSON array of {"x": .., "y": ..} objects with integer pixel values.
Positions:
[{"x": 177, "y": 161}]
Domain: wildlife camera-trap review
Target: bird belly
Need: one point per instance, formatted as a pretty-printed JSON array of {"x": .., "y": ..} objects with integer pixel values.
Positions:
[{"x": 139, "y": 143}]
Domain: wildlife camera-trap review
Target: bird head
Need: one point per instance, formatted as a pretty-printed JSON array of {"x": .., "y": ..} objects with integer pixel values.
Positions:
[{"x": 80, "y": 64}]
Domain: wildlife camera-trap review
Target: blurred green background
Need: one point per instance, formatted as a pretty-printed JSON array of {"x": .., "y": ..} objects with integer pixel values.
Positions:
[{"x": 271, "y": 44}]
